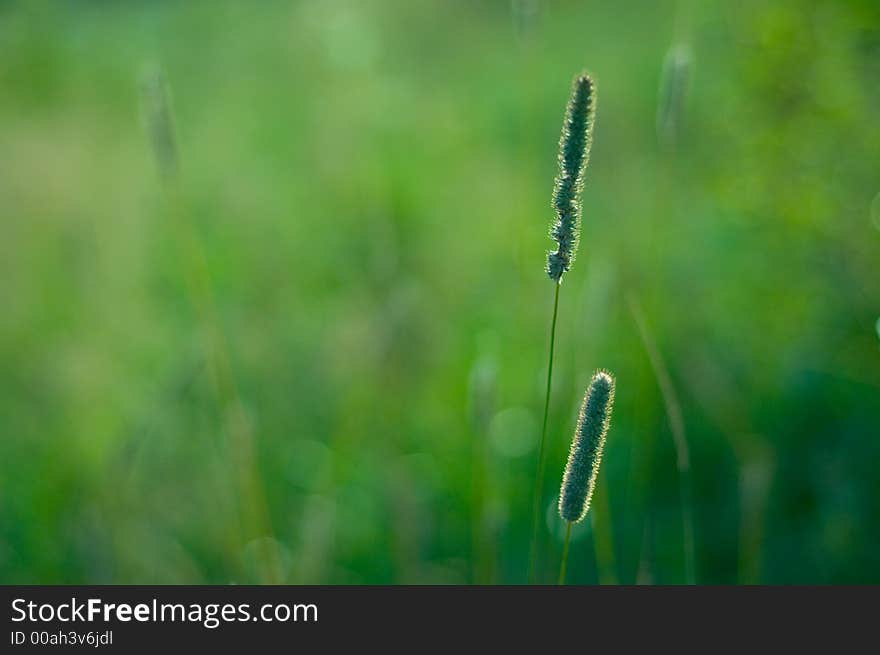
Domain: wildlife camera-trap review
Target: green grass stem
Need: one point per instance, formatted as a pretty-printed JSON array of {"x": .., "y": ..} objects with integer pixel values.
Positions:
[
  {"x": 565, "y": 546},
  {"x": 539, "y": 476}
]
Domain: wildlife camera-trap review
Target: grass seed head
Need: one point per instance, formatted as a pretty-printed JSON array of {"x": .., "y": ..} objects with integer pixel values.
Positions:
[
  {"x": 579, "y": 478},
  {"x": 574, "y": 154}
]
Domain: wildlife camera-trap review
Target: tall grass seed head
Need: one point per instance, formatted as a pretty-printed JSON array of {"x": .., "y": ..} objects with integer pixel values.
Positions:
[
  {"x": 159, "y": 119},
  {"x": 674, "y": 82},
  {"x": 585, "y": 455},
  {"x": 574, "y": 154}
]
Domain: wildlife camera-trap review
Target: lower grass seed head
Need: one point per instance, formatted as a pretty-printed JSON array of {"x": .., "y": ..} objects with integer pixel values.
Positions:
[{"x": 579, "y": 478}]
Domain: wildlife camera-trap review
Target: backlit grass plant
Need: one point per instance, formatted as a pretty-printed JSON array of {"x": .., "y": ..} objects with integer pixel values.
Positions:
[
  {"x": 574, "y": 154},
  {"x": 582, "y": 468}
]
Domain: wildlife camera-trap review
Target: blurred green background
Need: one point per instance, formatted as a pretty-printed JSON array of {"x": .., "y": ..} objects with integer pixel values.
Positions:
[{"x": 317, "y": 355}]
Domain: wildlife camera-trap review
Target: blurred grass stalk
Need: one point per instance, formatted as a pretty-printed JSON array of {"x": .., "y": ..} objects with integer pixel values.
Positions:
[
  {"x": 676, "y": 425},
  {"x": 673, "y": 88},
  {"x": 255, "y": 523}
]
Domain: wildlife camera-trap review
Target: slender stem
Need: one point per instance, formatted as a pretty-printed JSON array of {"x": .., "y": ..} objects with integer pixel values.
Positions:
[
  {"x": 565, "y": 554},
  {"x": 539, "y": 476}
]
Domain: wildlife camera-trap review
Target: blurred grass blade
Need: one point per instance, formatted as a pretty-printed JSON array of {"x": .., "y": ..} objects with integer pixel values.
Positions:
[{"x": 676, "y": 425}]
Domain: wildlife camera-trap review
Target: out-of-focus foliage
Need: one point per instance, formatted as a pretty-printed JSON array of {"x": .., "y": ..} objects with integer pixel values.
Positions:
[{"x": 369, "y": 184}]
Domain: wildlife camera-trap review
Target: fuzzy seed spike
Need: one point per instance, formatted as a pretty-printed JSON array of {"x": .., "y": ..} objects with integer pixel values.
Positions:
[
  {"x": 574, "y": 155},
  {"x": 579, "y": 478}
]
